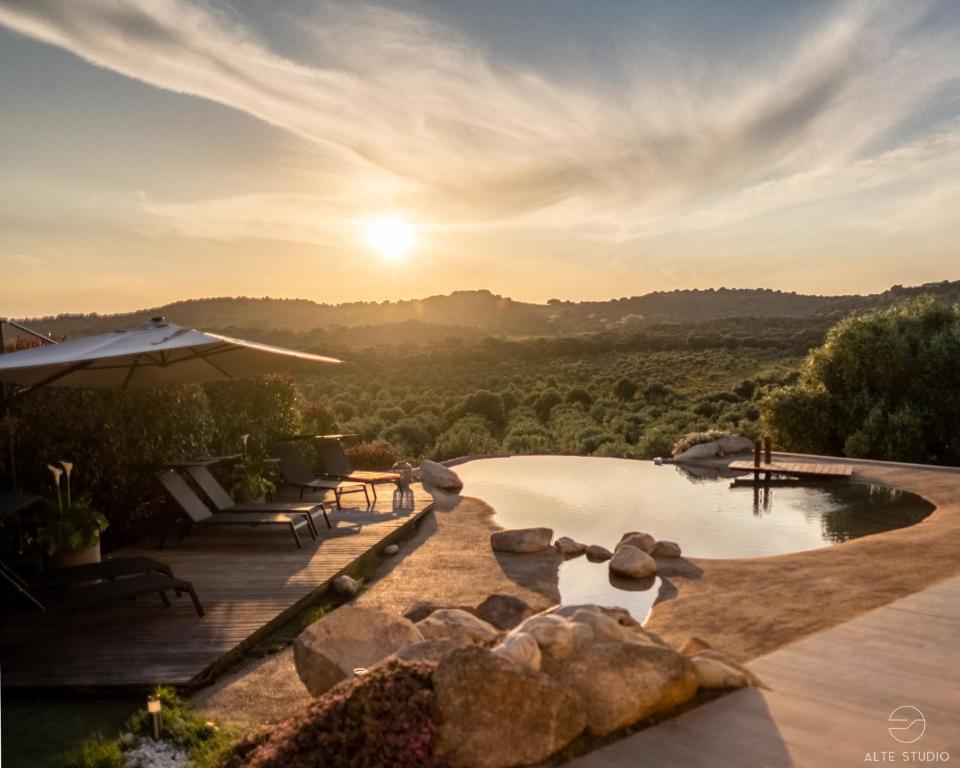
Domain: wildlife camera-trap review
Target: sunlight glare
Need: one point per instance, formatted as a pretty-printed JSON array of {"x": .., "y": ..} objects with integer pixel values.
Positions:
[{"x": 391, "y": 237}]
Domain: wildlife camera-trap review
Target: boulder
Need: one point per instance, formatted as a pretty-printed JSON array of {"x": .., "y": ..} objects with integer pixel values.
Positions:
[
  {"x": 495, "y": 713},
  {"x": 554, "y": 634},
  {"x": 665, "y": 549},
  {"x": 621, "y": 683},
  {"x": 503, "y": 611},
  {"x": 437, "y": 476},
  {"x": 605, "y": 629},
  {"x": 521, "y": 649},
  {"x": 710, "y": 653},
  {"x": 637, "y": 539},
  {"x": 734, "y": 444},
  {"x": 421, "y": 609},
  {"x": 428, "y": 650},
  {"x": 330, "y": 649},
  {"x": 694, "y": 645},
  {"x": 346, "y": 586},
  {"x": 568, "y": 547},
  {"x": 699, "y": 451},
  {"x": 714, "y": 673},
  {"x": 457, "y": 625},
  {"x": 522, "y": 540},
  {"x": 632, "y": 562},
  {"x": 597, "y": 554}
]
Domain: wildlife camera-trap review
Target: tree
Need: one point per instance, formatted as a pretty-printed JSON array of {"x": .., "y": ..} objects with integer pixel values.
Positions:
[
  {"x": 625, "y": 389},
  {"x": 885, "y": 385}
]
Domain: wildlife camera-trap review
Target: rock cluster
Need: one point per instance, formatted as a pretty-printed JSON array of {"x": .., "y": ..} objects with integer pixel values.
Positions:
[
  {"x": 634, "y": 556},
  {"x": 514, "y": 696}
]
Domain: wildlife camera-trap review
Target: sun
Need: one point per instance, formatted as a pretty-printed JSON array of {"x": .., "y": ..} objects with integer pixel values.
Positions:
[{"x": 392, "y": 237}]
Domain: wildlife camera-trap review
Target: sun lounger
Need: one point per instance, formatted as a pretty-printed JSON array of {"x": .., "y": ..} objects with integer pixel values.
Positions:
[
  {"x": 297, "y": 473},
  {"x": 199, "y": 513},
  {"x": 222, "y": 500},
  {"x": 120, "y": 578},
  {"x": 334, "y": 463}
]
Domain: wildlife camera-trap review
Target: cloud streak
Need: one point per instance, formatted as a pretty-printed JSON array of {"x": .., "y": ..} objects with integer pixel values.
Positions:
[{"x": 417, "y": 114}]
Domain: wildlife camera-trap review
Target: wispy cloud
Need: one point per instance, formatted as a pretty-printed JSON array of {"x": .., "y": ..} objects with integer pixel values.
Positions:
[{"x": 417, "y": 114}]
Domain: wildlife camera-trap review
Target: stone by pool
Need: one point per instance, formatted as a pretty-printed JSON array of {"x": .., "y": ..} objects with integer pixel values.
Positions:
[{"x": 596, "y": 500}]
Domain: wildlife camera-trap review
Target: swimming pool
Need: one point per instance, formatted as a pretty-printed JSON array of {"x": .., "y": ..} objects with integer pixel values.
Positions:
[{"x": 595, "y": 501}]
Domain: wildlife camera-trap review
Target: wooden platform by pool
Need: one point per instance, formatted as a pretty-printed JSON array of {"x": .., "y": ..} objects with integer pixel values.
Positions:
[
  {"x": 796, "y": 469},
  {"x": 249, "y": 580}
]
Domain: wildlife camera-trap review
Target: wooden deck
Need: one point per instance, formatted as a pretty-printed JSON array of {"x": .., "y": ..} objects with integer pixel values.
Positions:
[
  {"x": 249, "y": 581},
  {"x": 830, "y": 700},
  {"x": 794, "y": 469}
]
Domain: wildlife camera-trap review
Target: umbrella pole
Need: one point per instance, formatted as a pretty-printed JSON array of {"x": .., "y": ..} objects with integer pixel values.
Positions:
[{"x": 8, "y": 419}]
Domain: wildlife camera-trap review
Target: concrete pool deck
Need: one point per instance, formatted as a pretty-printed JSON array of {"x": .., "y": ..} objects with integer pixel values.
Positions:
[{"x": 830, "y": 699}]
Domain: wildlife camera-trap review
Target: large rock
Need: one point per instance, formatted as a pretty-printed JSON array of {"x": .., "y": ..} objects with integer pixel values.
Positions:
[
  {"x": 734, "y": 444},
  {"x": 699, "y": 451},
  {"x": 665, "y": 549},
  {"x": 568, "y": 547},
  {"x": 503, "y": 611},
  {"x": 457, "y": 625},
  {"x": 554, "y": 634},
  {"x": 714, "y": 673},
  {"x": 637, "y": 539},
  {"x": 428, "y": 650},
  {"x": 621, "y": 683},
  {"x": 421, "y": 609},
  {"x": 437, "y": 476},
  {"x": 597, "y": 554},
  {"x": 330, "y": 649},
  {"x": 495, "y": 713},
  {"x": 521, "y": 649},
  {"x": 522, "y": 540},
  {"x": 632, "y": 562}
]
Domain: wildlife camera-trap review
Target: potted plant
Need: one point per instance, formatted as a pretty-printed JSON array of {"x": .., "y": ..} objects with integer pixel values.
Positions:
[
  {"x": 250, "y": 477},
  {"x": 69, "y": 530}
]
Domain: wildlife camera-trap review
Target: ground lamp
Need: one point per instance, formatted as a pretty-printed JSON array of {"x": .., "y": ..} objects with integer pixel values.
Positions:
[{"x": 153, "y": 707}]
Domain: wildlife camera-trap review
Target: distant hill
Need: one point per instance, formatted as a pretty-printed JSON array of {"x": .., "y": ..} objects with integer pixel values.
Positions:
[{"x": 473, "y": 314}]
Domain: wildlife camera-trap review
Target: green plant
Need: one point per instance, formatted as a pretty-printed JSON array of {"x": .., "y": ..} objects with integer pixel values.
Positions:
[
  {"x": 188, "y": 730},
  {"x": 67, "y": 525},
  {"x": 68, "y": 529},
  {"x": 250, "y": 475},
  {"x": 97, "y": 752}
]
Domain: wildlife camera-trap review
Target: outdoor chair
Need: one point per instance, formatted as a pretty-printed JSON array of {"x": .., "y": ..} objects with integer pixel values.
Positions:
[
  {"x": 107, "y": 581},
  {"x": 224, "y": 502},
  {"x": 334, "y": 463},
  {"x": 298, "y": 474},
  {"x": 200, "y": 514}
]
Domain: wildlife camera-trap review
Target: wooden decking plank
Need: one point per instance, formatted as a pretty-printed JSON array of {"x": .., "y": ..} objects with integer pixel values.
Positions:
[{"x": 245, "y": 581}]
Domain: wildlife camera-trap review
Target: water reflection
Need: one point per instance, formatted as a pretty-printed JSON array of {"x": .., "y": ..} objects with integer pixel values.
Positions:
[{"x": 597, "y": 500}]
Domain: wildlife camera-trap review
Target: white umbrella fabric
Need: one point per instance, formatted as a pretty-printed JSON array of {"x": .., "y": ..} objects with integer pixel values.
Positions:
[{"x": 158, "y": 354}]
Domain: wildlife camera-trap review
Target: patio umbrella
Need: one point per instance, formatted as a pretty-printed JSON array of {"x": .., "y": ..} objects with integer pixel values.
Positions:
[{"x": 158, "y": 354}]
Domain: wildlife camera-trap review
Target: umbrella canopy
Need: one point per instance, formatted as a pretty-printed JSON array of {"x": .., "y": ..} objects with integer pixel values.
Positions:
[{"x": 158, "y": 354}]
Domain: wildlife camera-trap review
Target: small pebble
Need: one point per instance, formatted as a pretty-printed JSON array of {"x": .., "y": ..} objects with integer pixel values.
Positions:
[
  {"x": 391, "y": 549},
  {"x": 344, "y": 585}
]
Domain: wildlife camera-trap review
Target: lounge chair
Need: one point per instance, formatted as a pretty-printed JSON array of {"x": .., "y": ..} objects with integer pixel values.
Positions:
[
  {"x": 297, "y": 473},
  {"x": 199, "y": 513},
  {"x": 334, "y": 463},
  {"x": 224, "y": 502},
  {"x": 107, "y": 581}
]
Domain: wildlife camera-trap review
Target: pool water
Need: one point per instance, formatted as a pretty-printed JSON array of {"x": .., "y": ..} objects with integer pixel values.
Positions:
[{"x": 595, "y": 501}]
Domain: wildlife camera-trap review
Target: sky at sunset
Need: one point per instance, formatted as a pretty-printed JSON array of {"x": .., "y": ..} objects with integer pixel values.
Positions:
[{"x": 154, "y": 151}]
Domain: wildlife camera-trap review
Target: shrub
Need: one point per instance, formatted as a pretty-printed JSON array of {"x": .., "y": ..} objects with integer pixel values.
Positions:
[
  {"x": 265, "y": 408},
  {"x": 116, "y": 438},
  {"x": 387, "y": 718},
  {"x": 579, "y": 395},
  {"x": 625, "y": 389},
  {"x": 486, "y": 404},
  {"x": 469, "y": 436},
  {"x": 656, "y": 441},
  {"x": 545, "y": 403},
  {"x": 409, "y": 436},
  {"x": 373, "y": 456},
  {"x": 885, "y": 385}
]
